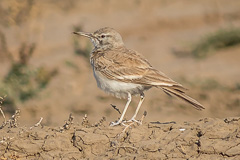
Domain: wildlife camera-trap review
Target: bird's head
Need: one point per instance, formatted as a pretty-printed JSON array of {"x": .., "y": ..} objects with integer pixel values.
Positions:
[{"x": 105, "y": 38}]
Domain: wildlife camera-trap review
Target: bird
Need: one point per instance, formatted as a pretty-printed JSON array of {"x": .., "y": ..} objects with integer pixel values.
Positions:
[{"x": 123, "y": 72}]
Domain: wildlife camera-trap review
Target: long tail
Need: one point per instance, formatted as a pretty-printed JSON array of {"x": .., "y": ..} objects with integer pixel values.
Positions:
[{"x": 178, "y": 91}]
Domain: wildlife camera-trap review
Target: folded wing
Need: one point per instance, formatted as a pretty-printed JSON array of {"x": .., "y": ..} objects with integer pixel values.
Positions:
[{"x": 131, "y": 67}]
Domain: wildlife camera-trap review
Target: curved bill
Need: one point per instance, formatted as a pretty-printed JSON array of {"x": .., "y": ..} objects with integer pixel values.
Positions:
[{"x": 89, "y": 35}]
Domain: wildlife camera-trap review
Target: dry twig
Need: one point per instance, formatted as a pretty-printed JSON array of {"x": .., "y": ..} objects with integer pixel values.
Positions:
[
  {"x": 5, "y": 121},
  {"x": 38, "y": 123},
  {"x": 13, "y": 120},
  {"x": 115, "y": 107},
  {"x": 103, "y": 119},
  {"x": 69, "y": 122},
  {"x": 85, "y": 122},
  {"x": 143, "y": 116}
]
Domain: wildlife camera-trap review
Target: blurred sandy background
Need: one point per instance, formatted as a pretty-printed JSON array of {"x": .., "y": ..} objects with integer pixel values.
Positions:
[{"x": 36, "y": 36}]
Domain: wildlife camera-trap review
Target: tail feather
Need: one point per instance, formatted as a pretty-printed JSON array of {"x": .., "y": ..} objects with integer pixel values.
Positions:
[{"x": 178, "y": 91}]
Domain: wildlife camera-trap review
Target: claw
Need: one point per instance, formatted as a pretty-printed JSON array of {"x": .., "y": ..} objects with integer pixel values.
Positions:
[{"x": 115, "y": 123}]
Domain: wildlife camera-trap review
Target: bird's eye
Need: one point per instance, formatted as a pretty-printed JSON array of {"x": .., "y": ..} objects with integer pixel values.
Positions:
[{"x": 102, "y": 36}]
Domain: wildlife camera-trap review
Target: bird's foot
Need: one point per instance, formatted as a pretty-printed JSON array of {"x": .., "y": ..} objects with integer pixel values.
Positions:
[
  {"x": 114, "y": 124},
  {"x": 134, "y": 120},
  {"x": 117, "y": 123},
  {"x": 126, "y": 123}
]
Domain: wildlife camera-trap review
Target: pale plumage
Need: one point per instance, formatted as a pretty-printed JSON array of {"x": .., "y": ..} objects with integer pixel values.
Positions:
[{"x": 123, "y": 72}]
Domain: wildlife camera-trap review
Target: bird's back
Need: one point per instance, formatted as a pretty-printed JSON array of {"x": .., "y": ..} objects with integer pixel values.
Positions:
[{"x": 129, "y": 66}]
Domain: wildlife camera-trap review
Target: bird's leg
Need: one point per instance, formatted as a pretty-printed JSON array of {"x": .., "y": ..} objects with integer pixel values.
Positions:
[
  {"x": 124, "y": 111},
  {"x": 142, "y": 97}
]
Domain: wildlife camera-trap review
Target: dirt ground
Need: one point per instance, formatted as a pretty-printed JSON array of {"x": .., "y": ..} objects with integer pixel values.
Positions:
[
  {"x": 157, "y": 29},
  {"x": 208, "y": 138}
]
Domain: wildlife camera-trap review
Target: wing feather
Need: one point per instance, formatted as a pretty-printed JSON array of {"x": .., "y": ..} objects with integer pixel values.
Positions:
[{"x": 129, "y": 66}]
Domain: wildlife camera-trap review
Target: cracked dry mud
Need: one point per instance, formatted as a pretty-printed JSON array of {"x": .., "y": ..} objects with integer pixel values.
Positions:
[{"x": 206, "y": 139}]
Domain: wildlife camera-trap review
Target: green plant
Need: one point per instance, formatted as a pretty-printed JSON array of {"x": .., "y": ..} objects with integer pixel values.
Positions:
[
  {"x": 221, "y": 39},
  {"x": 14, "y": 12},
  {"x": 22, "y": 82},
  {"x": 80, "y": 46},
  {"x": 72, "y": 65},
  {"x": 237, "y": 86}
]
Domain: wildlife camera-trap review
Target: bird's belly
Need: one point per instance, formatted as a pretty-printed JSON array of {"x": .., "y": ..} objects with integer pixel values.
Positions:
[{"x": 117, "y": 88}]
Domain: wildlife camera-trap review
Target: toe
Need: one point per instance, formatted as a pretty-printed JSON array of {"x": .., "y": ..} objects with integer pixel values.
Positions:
[
  {"x": 134, "y": 120},
  {"x": 115, "y": 123}
]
